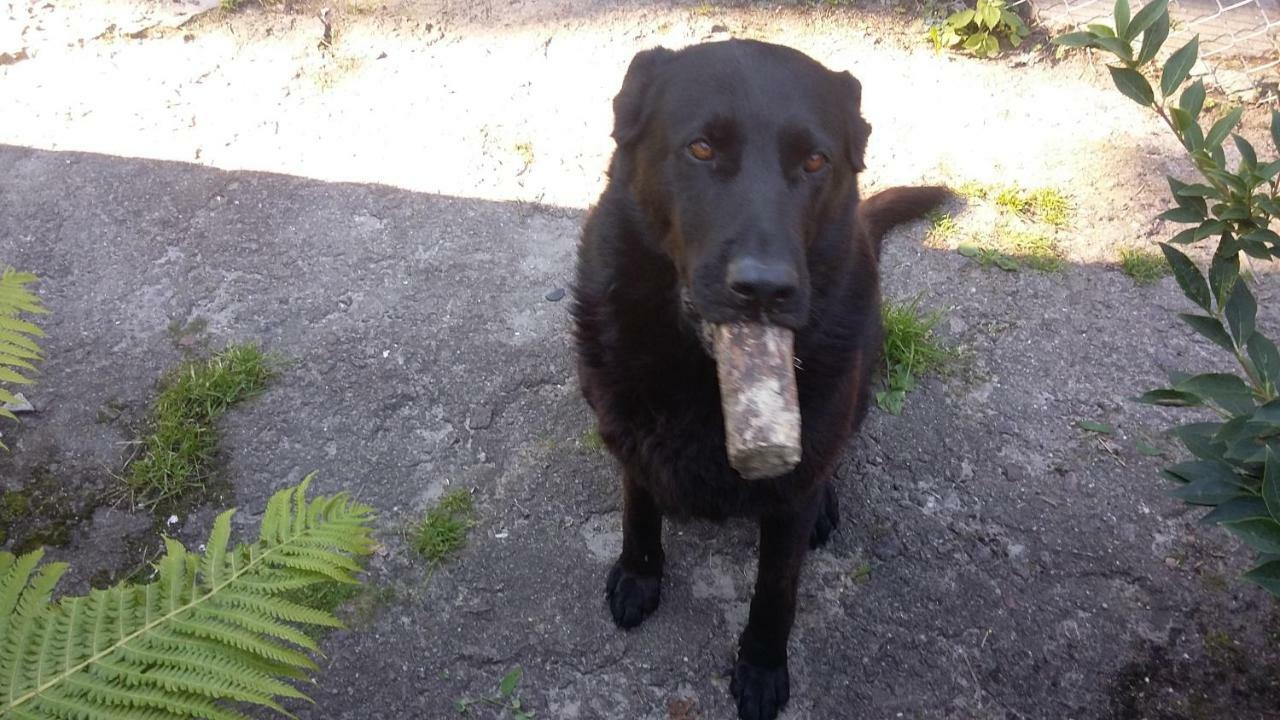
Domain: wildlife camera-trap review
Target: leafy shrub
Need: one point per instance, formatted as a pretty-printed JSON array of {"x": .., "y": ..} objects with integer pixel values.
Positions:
[
  {"x": 210, "y": 631},
  {"x": 978, "y": 30},
  {"x": 18, "y": 351},
  {"x": 1236, "y": 470}
]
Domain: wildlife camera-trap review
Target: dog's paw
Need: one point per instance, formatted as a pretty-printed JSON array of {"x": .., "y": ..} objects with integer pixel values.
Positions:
[
  {"x": 632, "y": 597},
  {"x": 761, "y": 692},
  {"x": 828, "y": 518}
]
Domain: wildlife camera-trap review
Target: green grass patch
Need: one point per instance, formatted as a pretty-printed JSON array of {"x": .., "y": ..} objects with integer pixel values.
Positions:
[
  {"x": 592, "y": 441},
  {"x": 182, "y": 437},
  {"x": 988, "y": 257},
  {"x": 443, "y": 530},
  {"x": 911, "y": 350},
  {"x": 1146, "y": 267},
  {"x": 1047, "y": 205},
  {"x": 1011, "y": 249},
  {"x": 942, "y": 228},
  {"x": 1036, "y": 250}
]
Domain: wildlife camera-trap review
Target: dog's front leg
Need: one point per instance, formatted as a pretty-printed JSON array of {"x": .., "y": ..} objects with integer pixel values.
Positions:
[
  {"x": 635, "y": 581},
  {"x": 761, "y": 682}
]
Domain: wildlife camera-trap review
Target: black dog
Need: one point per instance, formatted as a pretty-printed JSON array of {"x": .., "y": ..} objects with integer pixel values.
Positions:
[{"x": 732, "y": 195}]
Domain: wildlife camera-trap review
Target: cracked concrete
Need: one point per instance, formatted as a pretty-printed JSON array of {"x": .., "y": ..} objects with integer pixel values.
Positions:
[{"x": 996, "y": 561}]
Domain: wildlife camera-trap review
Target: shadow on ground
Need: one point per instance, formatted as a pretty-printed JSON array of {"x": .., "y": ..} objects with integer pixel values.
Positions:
[{"x": 996, "y": 562}]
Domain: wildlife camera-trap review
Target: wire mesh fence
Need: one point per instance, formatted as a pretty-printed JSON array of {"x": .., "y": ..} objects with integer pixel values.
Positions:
[{"x": 1239, "y": 39}]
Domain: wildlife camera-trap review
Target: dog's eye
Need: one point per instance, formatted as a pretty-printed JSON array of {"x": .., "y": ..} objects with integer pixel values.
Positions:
[
  {"x": 702, "y": 150},
  {"x": 815, "y": 162}
]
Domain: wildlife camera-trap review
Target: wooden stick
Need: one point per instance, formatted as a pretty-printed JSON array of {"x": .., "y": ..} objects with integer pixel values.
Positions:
[{"x": 757, "y": 375}]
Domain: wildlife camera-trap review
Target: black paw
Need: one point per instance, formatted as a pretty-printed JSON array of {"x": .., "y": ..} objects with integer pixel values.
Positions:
[
  {"x": 828, "y": 518},
  {"x": 761, "y": 692},
  {"x": 632, "y": 598}
]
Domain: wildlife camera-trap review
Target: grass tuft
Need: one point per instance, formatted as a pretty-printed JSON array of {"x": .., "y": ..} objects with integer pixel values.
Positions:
[
  {"x": 1144, "y": 266},
  {"x": 443, "y": 530},
  {"x": 911, "y": 349},
  {"x": 942, "y": 228},
  {"x": 1037, "y": 250},
  {"x": 591, "y": 440},
  {"x": 178, "y": 450},
  {"x": 1047, "y": 205}
]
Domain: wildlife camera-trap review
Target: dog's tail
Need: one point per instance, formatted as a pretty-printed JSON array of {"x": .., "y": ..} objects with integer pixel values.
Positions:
[{"x": 887, "y": 208}]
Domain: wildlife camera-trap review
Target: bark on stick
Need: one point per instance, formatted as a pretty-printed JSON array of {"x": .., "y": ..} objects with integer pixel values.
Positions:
[{"x": 758, "y": 396}]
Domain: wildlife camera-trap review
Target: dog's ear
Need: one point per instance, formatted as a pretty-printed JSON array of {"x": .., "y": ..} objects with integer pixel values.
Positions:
[
  {"x": 857, "y": 129},
  {"x": 630, "y": 109}
]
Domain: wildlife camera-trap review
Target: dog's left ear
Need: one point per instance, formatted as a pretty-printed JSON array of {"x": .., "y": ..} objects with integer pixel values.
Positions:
[
  {"x": 630, "y": 106},
  {"x": 857, "y": 130}
]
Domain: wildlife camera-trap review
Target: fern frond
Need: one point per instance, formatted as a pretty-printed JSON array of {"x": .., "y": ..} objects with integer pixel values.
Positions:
[
  {"x": 17, "y": 350},
  {"x": 210, "y": 632}
]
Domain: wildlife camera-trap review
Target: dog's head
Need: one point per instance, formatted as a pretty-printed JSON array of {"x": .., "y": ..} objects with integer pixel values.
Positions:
[{"x": 739, "y": 153}]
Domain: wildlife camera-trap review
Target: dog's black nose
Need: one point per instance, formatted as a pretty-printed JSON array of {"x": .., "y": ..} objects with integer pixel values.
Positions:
[{"x": 766, "y": 283}]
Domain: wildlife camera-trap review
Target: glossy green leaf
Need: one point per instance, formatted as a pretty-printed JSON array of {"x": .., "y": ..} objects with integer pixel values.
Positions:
[
  {"x": 1075, "y": 40},
  {"x": 1182, "y": 214},
  {"x": 1246, "y": 507},
  {"x": 1153, "y": 39},
  {"x": 1208, "y": 491},
  {"x": 1198, "y": 438},
  {"x": 1146, "y": 17},
  {"x": 1248, "y": 156},
  {"x": 1210, "y": 328},
  {"x": 1261, "y": 534},
  {"x": 1118, "y": 47},
  {"x": 1225, "y": 390},
  {"x": 1221, "y": 129},
  {"x": 1121, "y": 14},
  {"x": 1267, "y": 575},
  {"x": 1193, "y": 138},
  {"x": 1096, "y": 427},
  {"x": 1241, "y": 312},
  {"x": 1223, "y": 274},
  {"x": 1188, "y": 276},
  {"x": 1195, "y": 470},
  {"x": 1178, "y": 66},
  {"x": 1192, "y": 99},
  {"x": 1264, "y": 236},
  {"x": 1187, "y": 190},
  {"x": 509, "y": 682},
  {"x": 1210, "y": 228},
  {"x": 1271, "y": 484},
  {"x": 1170, "y": 398}
]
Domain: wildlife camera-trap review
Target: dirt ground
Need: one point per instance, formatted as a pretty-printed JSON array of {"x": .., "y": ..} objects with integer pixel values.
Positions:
[{"x": 392, "y": 213}]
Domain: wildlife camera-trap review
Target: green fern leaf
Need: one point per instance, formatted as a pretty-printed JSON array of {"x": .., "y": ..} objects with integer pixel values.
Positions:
[
  {"x": 18, "y": 328},
  {"x": 13, "y": 337},
  {"x": 209, "y": 634},
  {"x": 17, "y": 350}
]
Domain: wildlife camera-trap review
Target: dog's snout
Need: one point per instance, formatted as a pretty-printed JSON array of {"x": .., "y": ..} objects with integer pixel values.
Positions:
[{"x": 766, "y": 283}]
